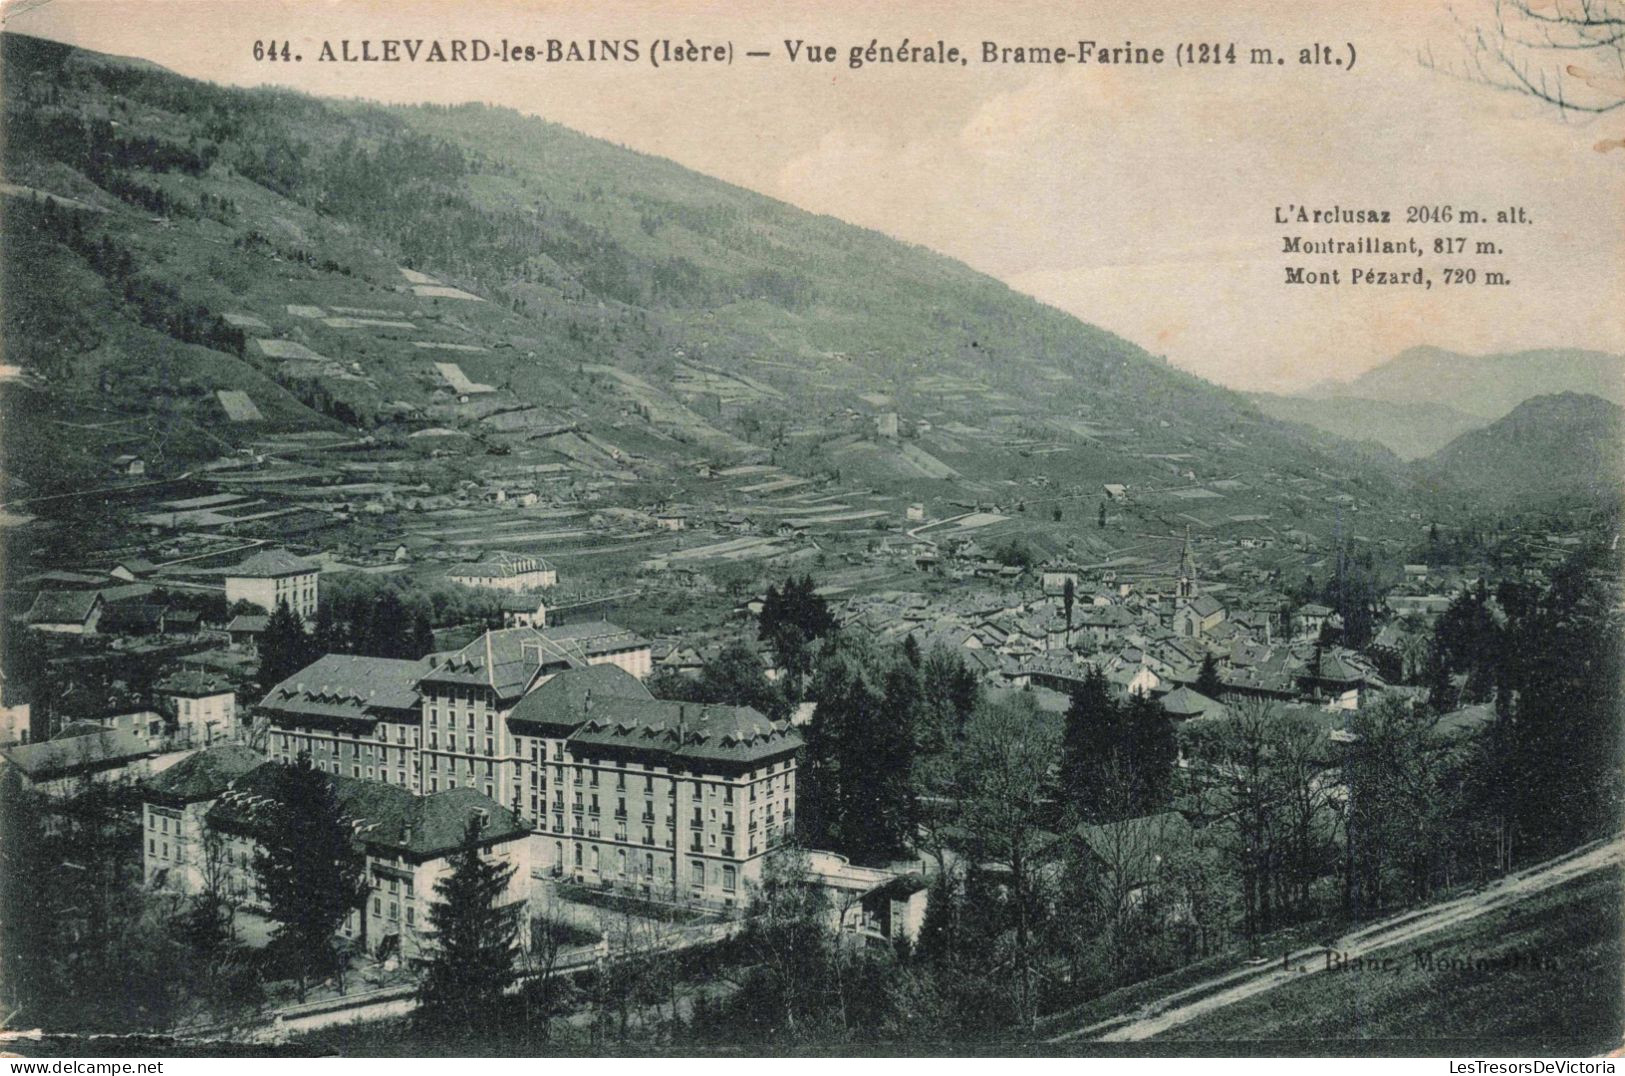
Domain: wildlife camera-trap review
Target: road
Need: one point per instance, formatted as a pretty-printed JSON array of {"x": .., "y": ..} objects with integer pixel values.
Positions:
[
  {"x": 1192, "y": 1002},
  {"x": 914, "y": 532},
  {"x": 358, "y": 1007},
  {"x": 114, "y": 488},
  {"x": 400, "y": 1000}
]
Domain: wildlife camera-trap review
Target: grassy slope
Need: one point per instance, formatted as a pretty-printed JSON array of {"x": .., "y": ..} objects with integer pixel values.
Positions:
[{"x": 1574, "y": 1006}]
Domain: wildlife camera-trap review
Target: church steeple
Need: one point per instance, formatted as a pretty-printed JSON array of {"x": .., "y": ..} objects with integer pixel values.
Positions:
[{"x": 1185, "y": 587}]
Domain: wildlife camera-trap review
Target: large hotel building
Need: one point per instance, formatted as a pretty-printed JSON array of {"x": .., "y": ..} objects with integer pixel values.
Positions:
[{"x": 618, "y": 788}]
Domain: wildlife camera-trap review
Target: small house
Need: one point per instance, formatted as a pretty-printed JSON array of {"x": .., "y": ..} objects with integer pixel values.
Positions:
[{"x": 66, "y": 612}]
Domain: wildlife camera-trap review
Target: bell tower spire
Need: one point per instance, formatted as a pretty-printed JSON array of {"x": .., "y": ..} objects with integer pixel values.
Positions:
[{"x": 1186, "y": 584}]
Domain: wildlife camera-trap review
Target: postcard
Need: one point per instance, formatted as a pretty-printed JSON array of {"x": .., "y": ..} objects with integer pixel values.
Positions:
[{"x": 691, "y": 529}]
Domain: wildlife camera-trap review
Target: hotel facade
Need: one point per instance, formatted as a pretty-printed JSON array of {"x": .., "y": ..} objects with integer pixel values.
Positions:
[
  {"x": 205, "y": 822},
  {"x": 673, "y": 801}
]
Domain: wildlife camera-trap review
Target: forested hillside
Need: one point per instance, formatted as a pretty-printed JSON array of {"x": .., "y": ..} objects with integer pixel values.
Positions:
[
  {"x": 171, "y": 239},
  {"x": 1548, "y": 449}
]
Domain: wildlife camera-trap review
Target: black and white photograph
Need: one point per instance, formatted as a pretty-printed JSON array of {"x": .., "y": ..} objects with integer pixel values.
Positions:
[{"x": 636, "y": 530}]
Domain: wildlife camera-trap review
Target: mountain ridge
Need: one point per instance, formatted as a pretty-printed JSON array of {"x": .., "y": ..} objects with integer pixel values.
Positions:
[
  {"x": 1548, "y": 448},
  {"x": 1418, "y": 401},
  {"x": 1409, "y": 430},
  {"x": 616, "y": 315},
  {"x": 596, "y": 256},
  {"x": 1488, "y": 385}
]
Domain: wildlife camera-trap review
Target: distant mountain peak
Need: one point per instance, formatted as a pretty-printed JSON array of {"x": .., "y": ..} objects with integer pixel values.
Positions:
[
  {"x": 1486, "y": 385},
  {"x": 1551, "y": 446}
]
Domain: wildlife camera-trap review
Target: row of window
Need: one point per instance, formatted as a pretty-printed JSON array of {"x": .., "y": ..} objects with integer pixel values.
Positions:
[
  {"x": 289, "y": 744},
  {"x": 394, "y": 911},
  {"x": 451, "y": 743},
  {"x": 460, "y": 693},
  {"x": 587, "y": 858},
  {"x": 451, "y": 720},
  {"x": 698, "y": 840},
  {"x": 293, "y": 743},
  {"x": 586, "y": 775},
  {"x": 222, "y": 703},
  {"x": 451, "y": 782},
  {"x": 489, "y": 767}
]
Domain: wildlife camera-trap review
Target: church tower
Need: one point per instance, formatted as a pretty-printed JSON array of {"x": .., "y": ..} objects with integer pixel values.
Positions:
[{"x": 1185, "y": 587}]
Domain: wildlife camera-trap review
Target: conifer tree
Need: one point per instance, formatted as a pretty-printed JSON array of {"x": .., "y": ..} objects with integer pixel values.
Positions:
[
  {"x": 389, "y": 632},
  {"x": 939, "y": 931},
  {"x": 790, "y": 620},
  {"x": 285, "y": 648},
  {"x": 476, "y": 940},
  {"x": 311, "y": 870},
  {"x": 328, "y": 636},
  {"x": 1117, "y": 758},
  {"x": 858, "y": 794},
  {"x": 1091, "y": 720},
  {"x": 422, "y": 636},
  {"x": 1207, "y": 680}
]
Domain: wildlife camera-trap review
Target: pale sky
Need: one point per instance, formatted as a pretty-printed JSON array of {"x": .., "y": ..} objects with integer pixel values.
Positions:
[{"x": 1139, "y": 198}]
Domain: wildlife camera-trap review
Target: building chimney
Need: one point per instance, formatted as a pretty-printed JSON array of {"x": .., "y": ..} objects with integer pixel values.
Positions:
[
  {"x": 406, "y": 837},
  {"x": 586, "y": 703}
]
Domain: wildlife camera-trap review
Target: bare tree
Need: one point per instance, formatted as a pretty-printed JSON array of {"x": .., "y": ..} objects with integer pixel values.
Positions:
[
  {"x": 1305, "y": 788},
  {"x": 1120, "y": 875},
  {"x": 538, "y": 957},
  {"x": 1202, "y": 904},
  {"x": 940, "y": 809},
  {"x": 1123, "y": 855},
  {"x": 1242, "y": 767},
  {"x": 615, "y": 980},
  {"x": 257, "y": 734},
  {"x": 215, "y": 898},
  {"x": 1413, "y": 655},
  {"x": 1006, "y": 759},
  {"x": 1567, "y": 53},
  {"x": 787, "y": 938}
]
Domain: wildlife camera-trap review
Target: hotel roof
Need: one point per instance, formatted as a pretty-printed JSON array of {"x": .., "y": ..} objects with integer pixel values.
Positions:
[
  {"x": 384, "y": 816},
  {"x": 684, "y": 732},
  {"x": 272, "y": 564},
  {"x": 204, "y": 775},
  {"x": 565, "y": 702},
  {"x": 349, "y": 687},
  {"x": 508, "y": 660}
]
